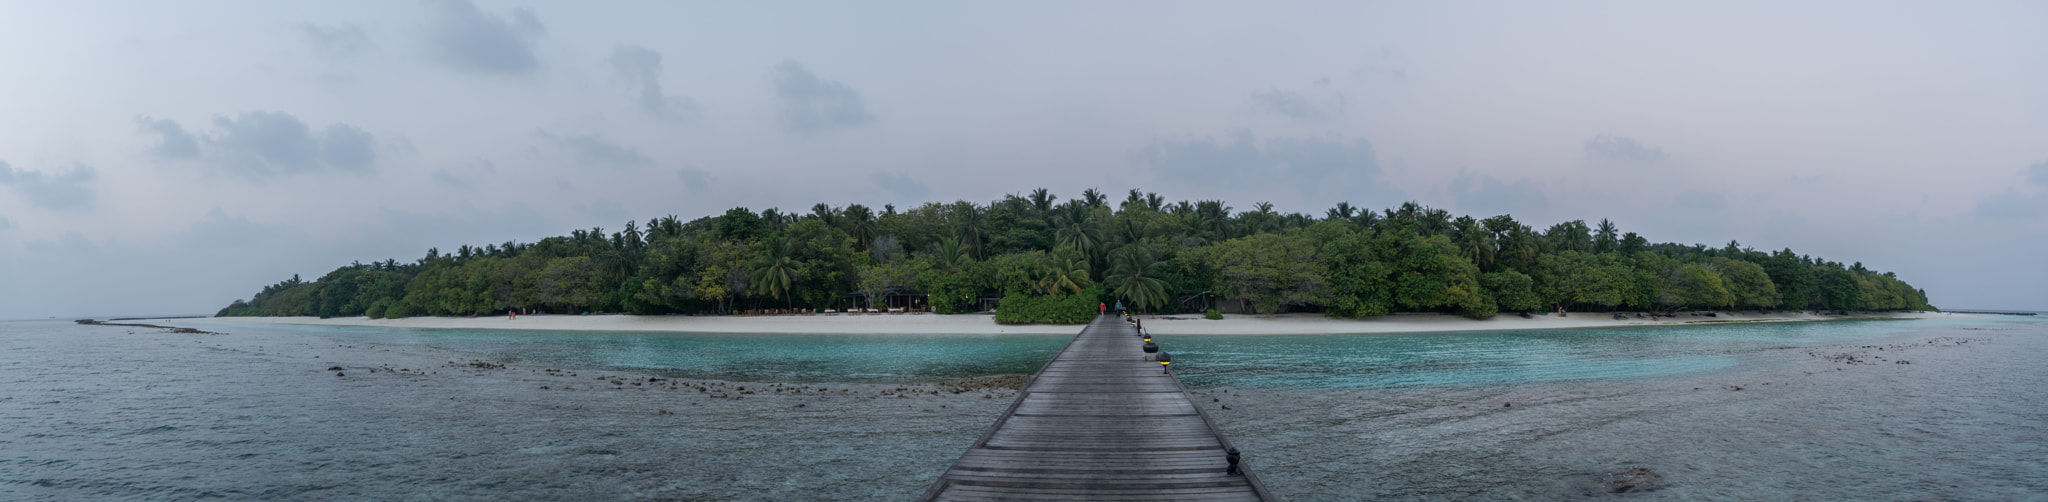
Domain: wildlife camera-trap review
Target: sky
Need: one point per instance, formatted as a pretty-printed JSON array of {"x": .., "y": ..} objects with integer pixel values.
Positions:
[{"x": 171, "y": 157}]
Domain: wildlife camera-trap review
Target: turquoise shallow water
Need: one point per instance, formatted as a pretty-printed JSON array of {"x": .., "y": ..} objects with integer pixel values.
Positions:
[
  {"x": 740, "y": 357},
  {"x": 1295, "y": 362},
  {"x": 1496, "y": 357}
]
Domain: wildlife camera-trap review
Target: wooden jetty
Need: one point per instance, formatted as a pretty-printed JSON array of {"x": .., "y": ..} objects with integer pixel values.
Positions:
[{"x": 1099, "y": 422}]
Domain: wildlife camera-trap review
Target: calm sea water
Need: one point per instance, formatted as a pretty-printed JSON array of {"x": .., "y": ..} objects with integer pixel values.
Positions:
[{"x": 94, "y": 412}]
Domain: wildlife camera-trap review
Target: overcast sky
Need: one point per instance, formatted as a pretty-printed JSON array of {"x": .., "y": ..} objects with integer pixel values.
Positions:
[{"x": 171, "y": 157}]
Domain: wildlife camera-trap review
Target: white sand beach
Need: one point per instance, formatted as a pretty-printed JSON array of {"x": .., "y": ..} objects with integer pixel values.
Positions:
[{"x": 984, "y": 324}]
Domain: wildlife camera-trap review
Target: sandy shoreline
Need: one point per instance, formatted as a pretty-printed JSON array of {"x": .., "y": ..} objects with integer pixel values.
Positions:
[{"x": 982, "y": 324}]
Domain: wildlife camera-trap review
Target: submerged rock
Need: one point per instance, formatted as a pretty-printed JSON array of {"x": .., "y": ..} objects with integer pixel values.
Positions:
[
  {"x": 1633, "y": 479},
  {"x": 990, "y": 382}
]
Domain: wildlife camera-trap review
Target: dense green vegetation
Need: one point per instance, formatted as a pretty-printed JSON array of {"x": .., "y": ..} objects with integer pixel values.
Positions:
[{"x": 1046, "y": 258}]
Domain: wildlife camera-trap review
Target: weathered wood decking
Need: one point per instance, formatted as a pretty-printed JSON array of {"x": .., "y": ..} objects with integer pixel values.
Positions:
[{"x": 1098, "y": 422}]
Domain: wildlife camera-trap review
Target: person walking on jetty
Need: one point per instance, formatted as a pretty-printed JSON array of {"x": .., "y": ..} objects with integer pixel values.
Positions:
[{"x": 1101, "y": 308}]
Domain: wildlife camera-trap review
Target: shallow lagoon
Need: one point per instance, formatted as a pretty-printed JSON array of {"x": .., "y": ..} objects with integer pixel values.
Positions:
[
  {"x": 98, "y": 412},
  {"x": 1293, "y": 361}
]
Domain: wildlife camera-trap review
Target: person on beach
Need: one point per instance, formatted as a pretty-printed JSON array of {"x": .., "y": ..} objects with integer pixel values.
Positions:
[{"x": 511, "y": 315}]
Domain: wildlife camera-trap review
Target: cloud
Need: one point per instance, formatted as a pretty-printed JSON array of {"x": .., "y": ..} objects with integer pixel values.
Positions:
[
  {"x": 65, "y": 191},
  {"x": 642, "y": 67},
  {"x": 176, "y": 144},
  {"x": 6, "y": 225},
  {"x": 2012, "y": 205},
  {"x": 697, "y": 180},
  {"x": 263, "y": 143},
  {"x": 1241, "y": 160},
  {"x": 2038, "y": 173},
  {"x": 811, "y": 104},
  {"x": 906, "y": 188},
  {"x": 1483, "y": 194},
  {"x": 591, "y": 149},
  {"x": 335, "y": 42},
  {"x": 347, "y": 147},
  {"x": 1295, "y": 105},
  {"x": 468, "y": 39},
  {"x": 1623, "y": 151}
]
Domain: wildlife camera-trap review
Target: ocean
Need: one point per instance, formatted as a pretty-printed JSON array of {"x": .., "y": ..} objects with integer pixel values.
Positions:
[{"x": 1936, "y": 409}]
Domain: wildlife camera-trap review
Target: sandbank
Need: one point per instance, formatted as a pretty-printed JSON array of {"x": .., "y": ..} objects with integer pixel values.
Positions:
[{"x": 984, "y": 324}]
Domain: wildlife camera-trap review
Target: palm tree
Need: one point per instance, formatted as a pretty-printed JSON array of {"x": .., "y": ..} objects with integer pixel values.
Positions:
[
  {"x": 1343, "y": 212},
  {"x": 778, "y": 272},
  {"x": 1261, "y": 218},
  {"x": 1064, "y": 274},
  {"x": 1607, "y": 236},
  {"x": 1433, "y": 222},
  {"x": 950, "y": 256},
  {"x": 1135, "y": 200},
  {"x": 862, "y": 221},
  {"x": 632, "y": 237},
  {"x": 774, "y": 219},
  {"x": 1041, "y": 201},
  {"x": 824, "y": 212},
  {"x": 1367, "y": 219},
  {"x": 1521, "y": 245},
  {"x": 1134, "y": 278},
  {"x": 1408, "y": 211},
  {"x": 1213, "y": 217},
  {"x": 1569, "y": 236},
  {"x": 1130, "y": 230},
  {"x": 1474, "y": 241},
  {"x": 1093, "y": 198},
  {"x": 1078, "y": 234},
  {"x": 970, "y": 225},
  {"x": 671, "y": 227}
]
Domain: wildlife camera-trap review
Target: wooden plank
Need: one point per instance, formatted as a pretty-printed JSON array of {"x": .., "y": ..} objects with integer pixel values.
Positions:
[{"x": 1098, "y": 422}]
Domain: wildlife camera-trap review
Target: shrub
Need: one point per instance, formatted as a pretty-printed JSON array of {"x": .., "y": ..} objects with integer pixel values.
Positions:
[
  {"x": 1213, "y": 315},
  {"x": 1023, "y": 308},
  {"x": 376, "y": 310},
  {"x": 397, "y": 310}
]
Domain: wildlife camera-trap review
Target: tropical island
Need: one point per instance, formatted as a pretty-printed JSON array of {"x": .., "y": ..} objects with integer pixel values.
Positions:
[{"x": 1050, "y": 261}]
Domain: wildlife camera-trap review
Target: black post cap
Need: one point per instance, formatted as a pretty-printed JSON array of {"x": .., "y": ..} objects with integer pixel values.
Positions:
[{"x": 1151, "y": 347}]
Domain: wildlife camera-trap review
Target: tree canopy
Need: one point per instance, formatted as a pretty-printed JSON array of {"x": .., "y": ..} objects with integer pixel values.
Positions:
[{"x": 1151, "y": 254}]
